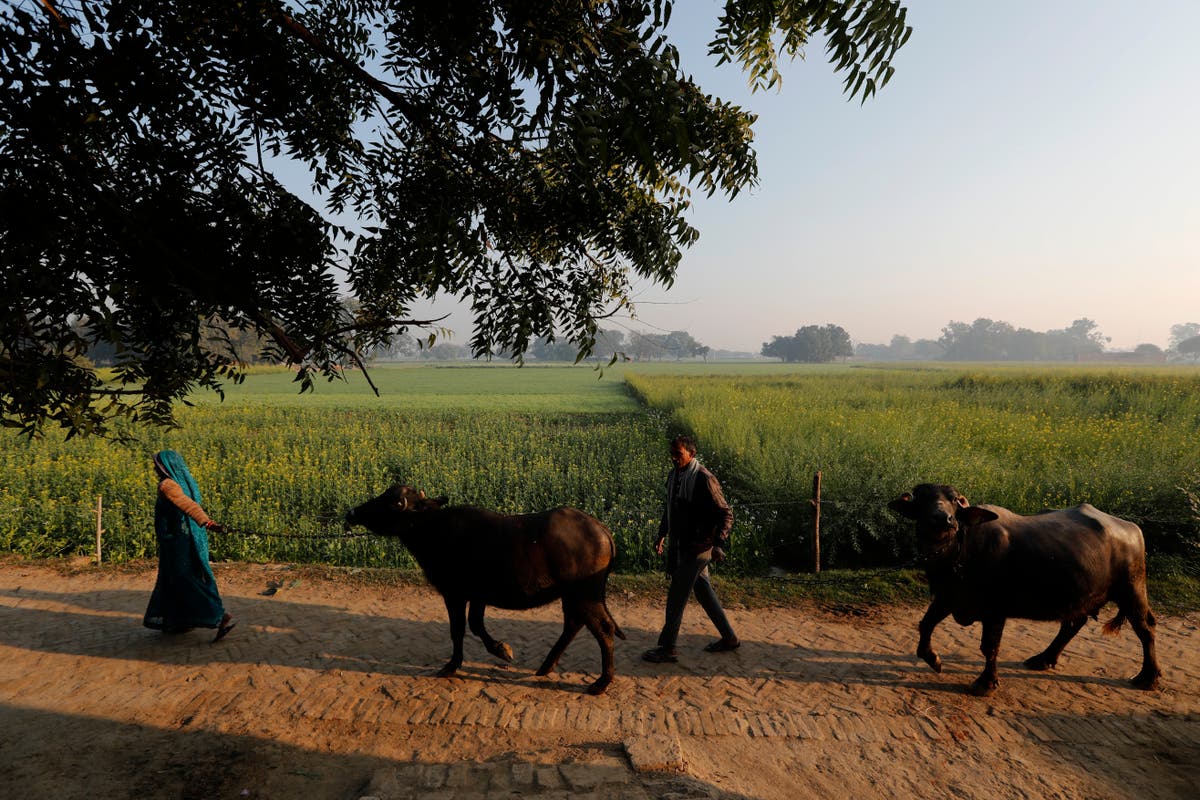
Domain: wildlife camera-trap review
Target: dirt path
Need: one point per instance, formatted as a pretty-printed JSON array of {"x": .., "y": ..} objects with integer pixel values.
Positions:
[{"x": 326, "y": 690}]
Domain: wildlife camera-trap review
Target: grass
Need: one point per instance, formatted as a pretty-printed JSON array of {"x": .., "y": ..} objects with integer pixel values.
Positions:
[
  {"x": 426, "y": 387},
  {"x": 271, "y": 460},
  {"x": 1024, "y": 438}
]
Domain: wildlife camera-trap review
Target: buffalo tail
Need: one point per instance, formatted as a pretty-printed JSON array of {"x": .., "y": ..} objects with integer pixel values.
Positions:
[{"x": 620, "y": 634}]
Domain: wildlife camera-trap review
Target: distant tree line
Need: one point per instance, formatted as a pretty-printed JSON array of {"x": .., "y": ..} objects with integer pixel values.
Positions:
[
  {"x": 989, "y": 340},
  {"x": 985, "y": 340},
  {"x": 1185, "y": 340},
  {"x": 812, "y": 344},
  {"x": 634, "y": 345}
]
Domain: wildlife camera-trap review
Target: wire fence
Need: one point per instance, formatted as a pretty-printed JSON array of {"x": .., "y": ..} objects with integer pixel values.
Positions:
[{"x": 785, "y": 525}]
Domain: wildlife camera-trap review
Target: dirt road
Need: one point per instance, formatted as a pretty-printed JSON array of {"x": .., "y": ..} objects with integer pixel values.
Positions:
[{"x": 326, "y": 690}]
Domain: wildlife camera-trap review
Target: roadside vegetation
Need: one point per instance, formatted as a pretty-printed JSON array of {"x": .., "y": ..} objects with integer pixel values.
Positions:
[{"x": 281, "y": 469}]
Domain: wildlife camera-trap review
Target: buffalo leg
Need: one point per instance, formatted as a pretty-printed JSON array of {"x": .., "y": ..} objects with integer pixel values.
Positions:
[
  {"x": 986, "y": 683},
  {"x": 571, "y": 626},
  {"x": 1141, "y": 618},
  {"x": 599, "y": 622},
  {"x": 475, "y": 619},
  {"x": 457, "y": 609},
  {"x": 936, "y": 612},
  {"x": 1048, "y": 658}
]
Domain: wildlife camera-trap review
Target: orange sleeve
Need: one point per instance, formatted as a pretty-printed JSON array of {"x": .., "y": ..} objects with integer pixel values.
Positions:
[{"x": 174, "y": 492}]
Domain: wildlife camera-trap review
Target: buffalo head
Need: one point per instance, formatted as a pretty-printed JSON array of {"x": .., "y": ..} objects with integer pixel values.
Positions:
[
  {"x": 940, "y": 513},
  {"x": 376, "y": 513}
]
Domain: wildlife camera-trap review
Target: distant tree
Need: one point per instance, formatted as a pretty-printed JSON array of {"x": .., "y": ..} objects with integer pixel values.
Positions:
[
  {"x": 988, "y": 340},
  {"x": 644, "y": 346},
  {"x": 871, "y": 352},
  {"x": 1189, "y": 347},
  {"x": 609, "y": 342},
  {"x": 1181, "y": 332},
  {"x": 677, "y": 345},
  {"x": 681, "y": 344},
  {"x": 812, "y": 344},
  {"x": 1148, "y": 352},
  {"x": 1086, "y": 336},
  {"x": 927, "y": 350},
  {"x": 402, "y": 345},
  {"x": 446, "y": 351},
  {"x": 982, "y": 340},
  {"x": 901, "y": 348},
  {"x": 543, "y": 349}
]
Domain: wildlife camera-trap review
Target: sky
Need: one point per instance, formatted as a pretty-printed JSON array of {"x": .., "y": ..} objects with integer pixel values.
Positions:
[{"x": 1031, "y": 161}]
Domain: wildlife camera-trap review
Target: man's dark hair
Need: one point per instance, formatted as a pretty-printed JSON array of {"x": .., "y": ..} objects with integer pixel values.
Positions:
[{"x": 686, "y": 442}]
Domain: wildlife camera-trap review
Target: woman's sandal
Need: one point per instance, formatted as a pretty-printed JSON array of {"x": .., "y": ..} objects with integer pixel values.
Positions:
[{"x": 227, "y": 624}]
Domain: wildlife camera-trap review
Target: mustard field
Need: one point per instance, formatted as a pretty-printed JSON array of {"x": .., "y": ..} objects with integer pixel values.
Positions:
[{"x": 281, "y": 468}]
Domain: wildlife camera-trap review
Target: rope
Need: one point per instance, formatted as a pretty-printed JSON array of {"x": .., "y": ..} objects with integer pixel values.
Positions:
[{"x": 343, "y": 535}]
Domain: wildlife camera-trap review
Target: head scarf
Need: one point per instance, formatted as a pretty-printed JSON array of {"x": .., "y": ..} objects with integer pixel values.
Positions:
[{"x": 174, "y": 467}]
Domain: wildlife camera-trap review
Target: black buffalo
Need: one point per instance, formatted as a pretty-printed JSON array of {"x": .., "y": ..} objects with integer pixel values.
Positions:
[
  {"x": 481, "y": 558},
  {"x": 986, "y": 564}
]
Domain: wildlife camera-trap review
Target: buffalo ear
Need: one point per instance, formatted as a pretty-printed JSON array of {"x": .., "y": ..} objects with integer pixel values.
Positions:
[
  {"x": 962, "y": 501},
  {"x": 903, "y": 505},
  {"x": 974, "y": 515}
]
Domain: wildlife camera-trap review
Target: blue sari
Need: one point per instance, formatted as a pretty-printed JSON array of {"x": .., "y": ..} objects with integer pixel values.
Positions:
[{"x": 185, "y": 593}]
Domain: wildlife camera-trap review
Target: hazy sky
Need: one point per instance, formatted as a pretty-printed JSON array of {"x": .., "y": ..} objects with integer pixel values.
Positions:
[{"x": 1030, "y": 161}]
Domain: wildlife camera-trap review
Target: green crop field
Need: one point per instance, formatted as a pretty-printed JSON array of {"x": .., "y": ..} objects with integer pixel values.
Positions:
[
  {"x": 285, "y": 467},
  {"x": 282, "y": 468},
  {"x": 1028, "y": 438}
]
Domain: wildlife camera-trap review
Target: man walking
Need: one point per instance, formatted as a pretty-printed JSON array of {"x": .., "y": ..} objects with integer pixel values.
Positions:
[{"x": 696, "y": 521}]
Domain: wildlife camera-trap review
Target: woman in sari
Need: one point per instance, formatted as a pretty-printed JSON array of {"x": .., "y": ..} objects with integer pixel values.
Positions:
[{"x": 185, "y": 594}]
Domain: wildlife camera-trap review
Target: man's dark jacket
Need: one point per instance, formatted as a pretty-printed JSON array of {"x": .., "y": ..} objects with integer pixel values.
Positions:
[{"x": 700, "y": 523}]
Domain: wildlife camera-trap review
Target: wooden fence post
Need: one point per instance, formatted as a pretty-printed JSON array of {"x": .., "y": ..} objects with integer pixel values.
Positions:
[
  {"x": 816, "y": 540},
  {"x": 99, "y": 523}
]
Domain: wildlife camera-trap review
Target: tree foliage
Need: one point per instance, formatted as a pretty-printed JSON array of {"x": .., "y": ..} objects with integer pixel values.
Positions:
[
  {"x": 988, "y": 340},
  {"x": 1182, "y": 332},
  {"x": 1189, "y": 347},
  {"x": 675, "y": 345},
  {"x": 528, "y": 156},
  {"x": 901, "y": 348},
  {"x": 812, "y": 344}
]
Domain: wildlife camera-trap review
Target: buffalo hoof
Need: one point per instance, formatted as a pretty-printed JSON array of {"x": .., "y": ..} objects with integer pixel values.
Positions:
[
  {"x": 1040, "y": 663},
  {"x": 503, "y": 652},
  {"x": 1148, "y": 680},
  {"x": 599, "y": 686},
  {"x": 984, "y": 686},
  {"x": 932, "y": 659},
  {"x": 448, "y": 670}
]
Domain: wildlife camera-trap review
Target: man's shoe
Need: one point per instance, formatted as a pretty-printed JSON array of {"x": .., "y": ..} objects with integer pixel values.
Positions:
[
  {"x": 723, "y": 645},
  {"x": 660, "y": 655}
]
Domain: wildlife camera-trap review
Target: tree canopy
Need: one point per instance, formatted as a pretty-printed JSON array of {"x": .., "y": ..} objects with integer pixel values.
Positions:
[
  {"x": 1189, "y": 347},
  {"x": 1181, "y": 333},
  {"x": 812, "y": 344},
  {"x": 530, "y": 157},
  {"x": 988, "y": 340}
]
